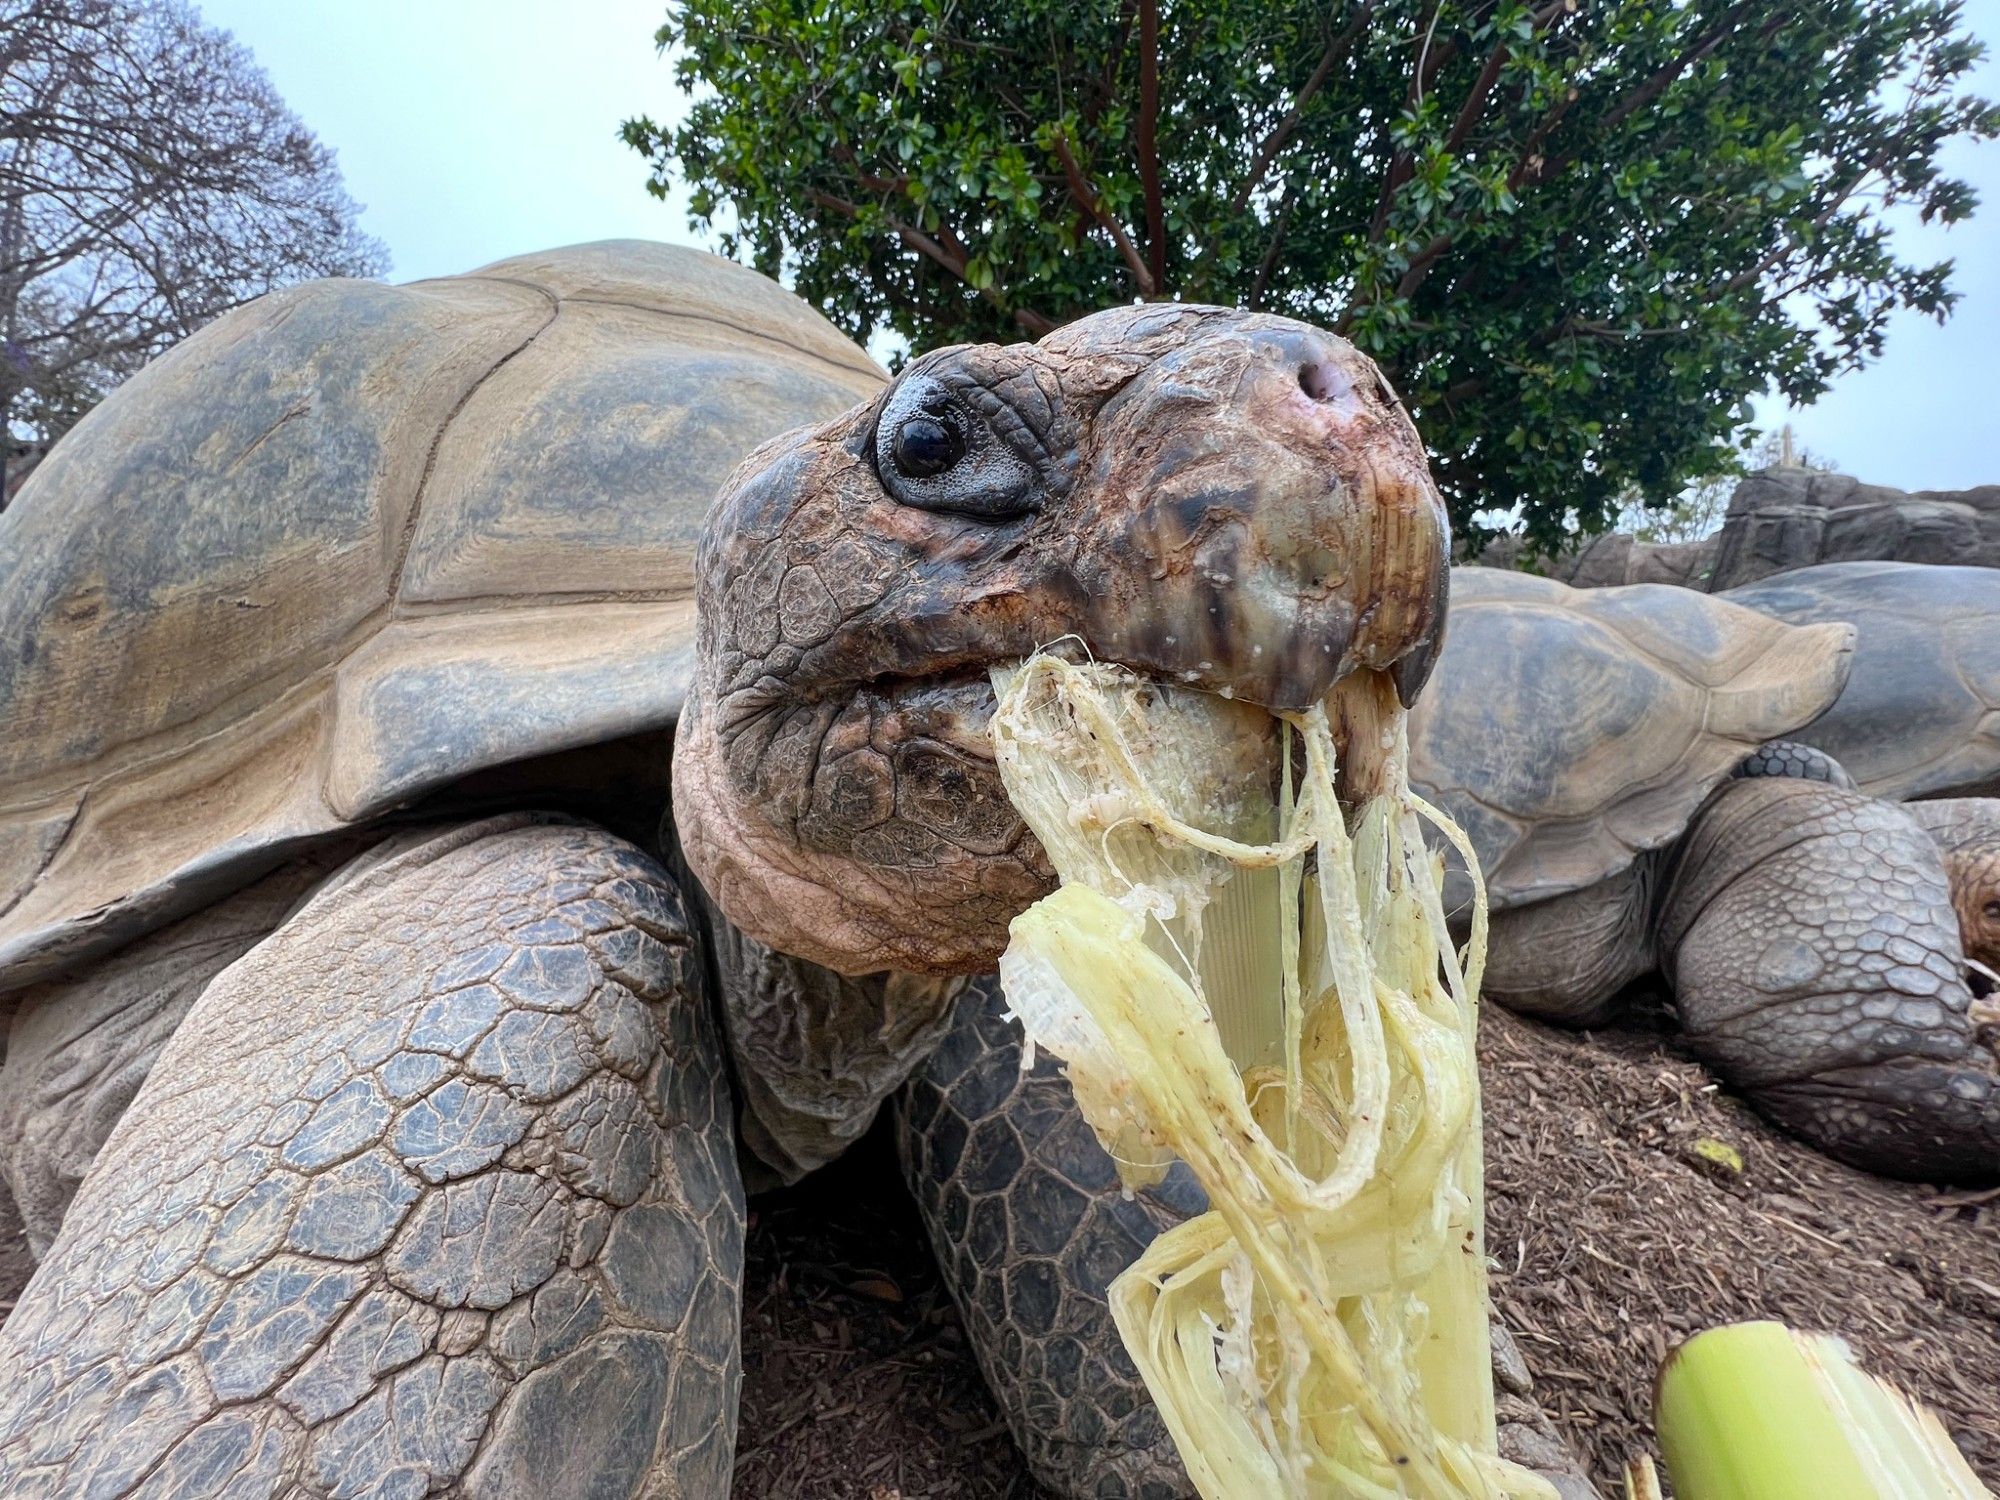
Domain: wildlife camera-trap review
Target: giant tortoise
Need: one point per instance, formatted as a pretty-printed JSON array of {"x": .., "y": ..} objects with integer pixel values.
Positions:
[
  {"x": 345, "y": 650},
  {"x": 1626, "y": 761},
  {"x": 1920, "y": 715}
]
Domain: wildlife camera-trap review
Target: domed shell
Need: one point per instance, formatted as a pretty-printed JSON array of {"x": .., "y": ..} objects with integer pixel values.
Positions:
[
  {"x": 353, "y": 541},
  {"x": 1920, "y": 715},
  {"x": 1570, "y": 730}
]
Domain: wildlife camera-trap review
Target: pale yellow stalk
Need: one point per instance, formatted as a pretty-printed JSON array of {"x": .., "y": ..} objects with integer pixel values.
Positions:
[
  {"x": 1304, "y": 1042},
  {"x": 1755, "y": 1411}
]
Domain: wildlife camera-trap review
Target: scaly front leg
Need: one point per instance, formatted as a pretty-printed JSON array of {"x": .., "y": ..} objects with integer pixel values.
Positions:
[{"x": 435, "y": 1186}]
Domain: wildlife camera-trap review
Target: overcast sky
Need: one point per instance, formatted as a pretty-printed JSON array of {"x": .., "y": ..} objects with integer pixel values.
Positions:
[{"x": 473, "y": 131}]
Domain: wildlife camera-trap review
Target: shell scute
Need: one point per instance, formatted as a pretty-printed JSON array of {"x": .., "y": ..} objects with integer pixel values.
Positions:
[
  {"x": 352, "y": 543},
  {"x": 1920, "y": 716},
  {"x": 1571, "y": 730}
]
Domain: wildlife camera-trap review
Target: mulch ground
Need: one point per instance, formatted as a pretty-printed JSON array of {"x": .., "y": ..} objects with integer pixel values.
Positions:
[
  {"x": 1613, "y": 1237},
  {"x": 1615, "y": 1240},
  {"x": 858, "y": 1383}
]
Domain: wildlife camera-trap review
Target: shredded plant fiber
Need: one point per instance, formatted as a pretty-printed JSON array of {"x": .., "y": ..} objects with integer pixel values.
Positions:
[{"x": 1237, "y": 973}]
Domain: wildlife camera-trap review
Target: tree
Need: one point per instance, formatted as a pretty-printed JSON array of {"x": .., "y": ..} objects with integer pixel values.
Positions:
[
  {"x": 150, "y": 178},
  {"x": 1578, "y": 236}
]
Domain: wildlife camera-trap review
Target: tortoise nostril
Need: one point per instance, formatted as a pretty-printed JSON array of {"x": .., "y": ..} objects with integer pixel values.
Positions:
[{"x": 1322, "y": 380}]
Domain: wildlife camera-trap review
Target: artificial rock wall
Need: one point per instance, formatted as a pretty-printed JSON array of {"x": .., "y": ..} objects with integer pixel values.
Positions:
[{"x": 1785, "y": 518}]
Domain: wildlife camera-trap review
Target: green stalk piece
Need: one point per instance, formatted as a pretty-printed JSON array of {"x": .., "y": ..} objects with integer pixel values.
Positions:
[{"x": 1756, "y": 1411}]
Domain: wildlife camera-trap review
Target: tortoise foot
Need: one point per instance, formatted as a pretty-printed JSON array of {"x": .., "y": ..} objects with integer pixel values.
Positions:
[{"x": 1818, "y": 966}]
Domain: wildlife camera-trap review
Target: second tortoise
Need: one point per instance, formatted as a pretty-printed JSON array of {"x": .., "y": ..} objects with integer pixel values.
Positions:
[{"x": 1628, "y": 763}]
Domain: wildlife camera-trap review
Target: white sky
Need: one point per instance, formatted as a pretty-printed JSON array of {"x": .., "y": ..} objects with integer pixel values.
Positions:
[{"x": 472, "y": 131}]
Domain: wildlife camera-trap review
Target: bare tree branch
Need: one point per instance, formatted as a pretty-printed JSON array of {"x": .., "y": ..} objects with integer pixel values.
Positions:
[{"x": 150, "y": 179}]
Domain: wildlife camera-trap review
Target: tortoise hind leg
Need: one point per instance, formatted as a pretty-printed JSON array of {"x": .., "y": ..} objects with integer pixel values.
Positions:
[
  {"x": 79, "y": 1047},
  {"x": 1568, "y": 959},
  {"x": 1817, "y": 965},
  {"x": 433, "y": 1188},
  {"x": 1025, "y": 1214}
]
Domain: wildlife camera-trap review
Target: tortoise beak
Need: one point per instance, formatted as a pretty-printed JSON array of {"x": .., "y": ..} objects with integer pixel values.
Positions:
[{"x": 1265, "y": 521}]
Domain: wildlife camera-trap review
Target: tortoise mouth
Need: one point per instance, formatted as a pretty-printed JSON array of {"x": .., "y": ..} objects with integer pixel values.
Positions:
[
  {"x": 1983, "y": 982},
  {"x": 956, "y": 700},
  {"x": 940, "y": 728},
  {"x": 952, "y": 709}
]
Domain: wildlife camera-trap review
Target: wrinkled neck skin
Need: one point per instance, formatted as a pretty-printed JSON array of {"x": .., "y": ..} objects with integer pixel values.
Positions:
[{"x": 1212, "y": 497}]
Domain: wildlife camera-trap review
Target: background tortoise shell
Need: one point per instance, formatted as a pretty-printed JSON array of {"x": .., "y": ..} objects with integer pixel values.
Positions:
[
  {"x": 1920, "y": 716},
  {"x": 1571, "y": 730},
  {"x": 352, "y": 542}
]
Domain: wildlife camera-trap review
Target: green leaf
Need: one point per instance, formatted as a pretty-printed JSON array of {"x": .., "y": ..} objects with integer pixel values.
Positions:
[{"x": 1603, "y": 310}]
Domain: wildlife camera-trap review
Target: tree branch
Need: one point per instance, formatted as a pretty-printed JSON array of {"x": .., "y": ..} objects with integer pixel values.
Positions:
[
  {"x": 1421, "y": 74},
  {"x": 1270, "y": 260},
  {"x": 1468, "y": 115},
  {"x": 1462, "y": 390},
  {"x": 1846, "y": 190},
  {"x": 1421, "y": 263},
  {"x": 953, "y": 261},
  {"x": 1148, "y": 139},
  {"x": 1475, "y": 99},
  {"x": 1279, "y": 134},
  {"x": 1528, "y": 170},
  {"x": 1086, "y": 196},
  {"x": 1533, "y": 171},
  {"x": 1661, "y": 81},
  {"x": 1401, "y": 166}
]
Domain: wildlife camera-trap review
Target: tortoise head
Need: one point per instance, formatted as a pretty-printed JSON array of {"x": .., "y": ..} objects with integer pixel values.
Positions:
[
  {"x": 1974, "y": 873},
  {"x": 1214, "y": 497}
]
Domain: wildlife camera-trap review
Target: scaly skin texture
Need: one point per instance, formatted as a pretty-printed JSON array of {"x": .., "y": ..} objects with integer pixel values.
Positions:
[
  {"x": 1030, "y": 1226},
  {"x": 1815, "y": 959},
  {"x": 1817, "y": 941},
  {"x": 816, "y": 1053},
  {"x": 1217, "y": 497},
  {"x": 1789, "y": 759},
  {"x": 434, "y": 1187},
  {"x": 80, "y": 1048},
  {"x": 1567, "y": 958}
]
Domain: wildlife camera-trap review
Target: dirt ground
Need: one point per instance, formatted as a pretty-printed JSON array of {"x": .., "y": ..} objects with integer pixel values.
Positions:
[{"x": 1612, "y": 1240}]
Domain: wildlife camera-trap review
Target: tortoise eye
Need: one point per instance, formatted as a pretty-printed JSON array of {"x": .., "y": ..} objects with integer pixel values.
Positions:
[
  {"x": 924, "y": 447},
  {"x": 934, "y": 452},
  {"x": 1993, "y": 910}
]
